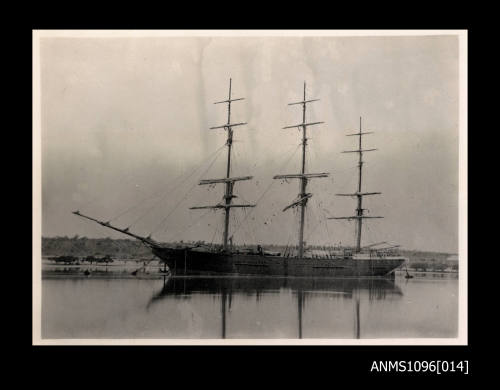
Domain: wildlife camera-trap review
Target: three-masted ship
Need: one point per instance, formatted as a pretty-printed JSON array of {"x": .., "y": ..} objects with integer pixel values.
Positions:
[{"x": 357, "y": 261}]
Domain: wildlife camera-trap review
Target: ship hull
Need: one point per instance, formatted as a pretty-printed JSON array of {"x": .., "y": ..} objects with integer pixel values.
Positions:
[{"x": 193, "y": 262}]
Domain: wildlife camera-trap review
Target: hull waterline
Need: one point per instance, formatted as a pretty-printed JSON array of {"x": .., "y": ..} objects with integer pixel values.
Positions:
[{"x": 193, "y": 262}]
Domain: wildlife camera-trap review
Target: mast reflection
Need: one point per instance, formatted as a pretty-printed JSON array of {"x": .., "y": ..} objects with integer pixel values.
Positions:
[
  {"x": 302, "y": 289},
  {"x": 357, "y": 326}
]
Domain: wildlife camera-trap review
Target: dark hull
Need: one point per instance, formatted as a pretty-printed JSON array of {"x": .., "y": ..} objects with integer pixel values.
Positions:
[{"x": 197, "y": 262}]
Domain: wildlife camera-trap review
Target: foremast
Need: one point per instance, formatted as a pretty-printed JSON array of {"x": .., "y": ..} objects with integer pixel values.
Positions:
[
  {"x": 359, "y": 194},
  {"x": 228, "y": 180},
  {"x": 302, "y": 176}
]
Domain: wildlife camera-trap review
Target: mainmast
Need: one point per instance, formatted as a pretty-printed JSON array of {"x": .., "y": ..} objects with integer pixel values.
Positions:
[
  {"x": 303, "y": 176},
  {"x": 359, "y": 194},
  {"x": 228, "y": 180}
]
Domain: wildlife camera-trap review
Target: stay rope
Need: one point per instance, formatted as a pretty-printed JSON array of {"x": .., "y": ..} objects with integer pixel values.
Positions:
[
  {"x": 171, "y": 187},
  {"x": 266, "y": 190},
  {"x": 179, "y": 234},
  {"x": 187, "y": 193}
]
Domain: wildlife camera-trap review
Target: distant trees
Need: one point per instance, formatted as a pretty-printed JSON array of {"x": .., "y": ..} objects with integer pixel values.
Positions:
[
  {"x": 419, "y": 266},
  {"x": 83, "y": 247},
  {"x": 89, "y": 259},
  {"x": 439, "y": 267},
  {"x": 106, "y": 259},
  {"x": 65, "y": 259},
  {"x": 435, "y": 266}
]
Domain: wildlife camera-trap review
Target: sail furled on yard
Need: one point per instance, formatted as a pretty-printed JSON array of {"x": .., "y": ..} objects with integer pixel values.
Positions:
[
  {"x": 303, "y": 196},
  {"x": 360, "y": 216},
  {"x": 228, "y": 181}
]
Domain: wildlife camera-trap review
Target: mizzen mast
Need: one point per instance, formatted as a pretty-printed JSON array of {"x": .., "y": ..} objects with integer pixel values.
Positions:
[
  {"x": 359, "y": 194},
  {"x": 303, "y": 176},
  {"x": 228, "y": 180}
]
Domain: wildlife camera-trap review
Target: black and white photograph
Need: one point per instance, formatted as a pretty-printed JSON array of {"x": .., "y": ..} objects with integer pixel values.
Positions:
[{"x": 250, "y": 187}]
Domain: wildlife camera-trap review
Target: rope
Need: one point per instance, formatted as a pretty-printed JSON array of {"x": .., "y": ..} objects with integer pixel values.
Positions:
[
  {"x": 313, "y": 230},
  {"x": 235, "y": 219},
  {"x": 215, "y": 232},
  {"x": 287, "y": 243},
  {"x": 326, "y": 228},
  {"x": 248, "y": 231},
  {"x": 235, "y": 161},
  {"x": 321, "y": 218},
  {"x": 266, "y": 190},
  {"x": 371, "y": 236},
  {"x": 119, "y": 179},
  {"x": 184, "y": 198},
  {"x": 166, "y": 193},
  {"x": 191, "y": 225}
]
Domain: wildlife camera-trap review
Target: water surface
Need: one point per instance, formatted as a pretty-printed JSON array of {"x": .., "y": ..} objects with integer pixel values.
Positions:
[{"x": 101, "y": 306}]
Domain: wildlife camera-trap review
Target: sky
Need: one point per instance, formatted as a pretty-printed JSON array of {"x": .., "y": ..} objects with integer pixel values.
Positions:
[{"x": 125, "y": 136}]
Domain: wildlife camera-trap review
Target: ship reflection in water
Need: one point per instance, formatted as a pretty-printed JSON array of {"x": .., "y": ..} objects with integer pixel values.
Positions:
[
  {"x": 248, "y": 308},
  {"x": 301, "y": 290}
]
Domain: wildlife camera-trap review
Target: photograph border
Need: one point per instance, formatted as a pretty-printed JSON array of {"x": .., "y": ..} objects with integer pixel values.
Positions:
[{"x": 461, "y": 339}]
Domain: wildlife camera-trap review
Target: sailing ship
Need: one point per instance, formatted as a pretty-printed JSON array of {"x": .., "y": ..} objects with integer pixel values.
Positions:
[{"x": 196, "y": 259}]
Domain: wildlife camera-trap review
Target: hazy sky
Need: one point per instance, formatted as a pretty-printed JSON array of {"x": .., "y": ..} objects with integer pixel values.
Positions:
[{"x": 125, "y": 119}]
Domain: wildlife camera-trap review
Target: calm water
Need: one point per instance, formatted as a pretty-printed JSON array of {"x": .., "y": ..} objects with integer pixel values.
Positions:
[{"x": 75, "y": 306}]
